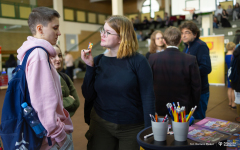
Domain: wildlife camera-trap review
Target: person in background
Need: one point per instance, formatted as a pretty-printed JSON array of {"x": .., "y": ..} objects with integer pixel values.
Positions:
[
  {"x": 159, "y": 19},
  {"x": 121, "y": 85},
  {"x": 235, "y": 84},
  {"x": 70, "y": 97},
  {"x": 218, "y": 12},
  {"x": 140, "y": 36},
  {"x": 69, "y": 62},
  {"x": 165, "y": 21},
  {"x": 215, "y": 22},
  {"x": 136, "y": 24},
  {"x": 224, "y": 19},
  {"x": 43, "y": 80},
  {"x": 176, "y": 75},
  {"x": 236, "y": 11},
  {"x": 136, "y": 20},
  {"x": 196, "y": 47},
  {"x": 146, "y": 23},
  {"x": 10, "y": 64},
  {"x": 152, "y": 21},
  {"x": 194, "y": 16},
  {"x": 230, "y": 10},
  {"x": 231, "y": 97},
  {"x": 156, "y": 44}
]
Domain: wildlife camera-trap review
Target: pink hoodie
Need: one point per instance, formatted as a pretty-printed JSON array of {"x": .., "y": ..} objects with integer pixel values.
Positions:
[{"x": 45, "y": 90}]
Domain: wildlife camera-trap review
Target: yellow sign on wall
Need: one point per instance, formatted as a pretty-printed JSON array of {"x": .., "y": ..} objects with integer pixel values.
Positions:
[{"x": 216, "y": 51}]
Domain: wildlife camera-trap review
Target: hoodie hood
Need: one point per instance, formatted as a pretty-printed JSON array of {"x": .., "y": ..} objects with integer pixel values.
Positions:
[{"x": 32, "y": 42}]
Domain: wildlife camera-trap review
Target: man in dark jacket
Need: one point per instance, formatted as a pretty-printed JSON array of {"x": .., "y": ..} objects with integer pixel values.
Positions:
[
  {"x": 176, "y": 75},
  {"x": 195, "y": 46}
]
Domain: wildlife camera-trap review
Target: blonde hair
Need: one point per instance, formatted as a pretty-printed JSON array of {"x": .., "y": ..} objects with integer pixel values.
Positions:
[
  {"x": 57, "y": 46},
  {"x": 230, "y": 46},
  {"x": 124, "y": 27},
  {"x": 153, "y": 46}
]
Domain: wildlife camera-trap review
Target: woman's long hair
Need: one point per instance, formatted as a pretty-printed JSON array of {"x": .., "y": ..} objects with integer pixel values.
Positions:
[{"x": 153, "y": 46}]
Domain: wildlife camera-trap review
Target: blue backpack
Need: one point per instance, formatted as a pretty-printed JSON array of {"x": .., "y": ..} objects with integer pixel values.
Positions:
[{"x": 14, "y": 130}]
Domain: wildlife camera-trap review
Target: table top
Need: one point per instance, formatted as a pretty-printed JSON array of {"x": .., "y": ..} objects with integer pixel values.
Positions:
[{"x": 170, "y": 143}]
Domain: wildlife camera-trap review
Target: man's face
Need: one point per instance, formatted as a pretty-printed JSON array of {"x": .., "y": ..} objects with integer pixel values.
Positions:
[{"x": 187, "y": 35}]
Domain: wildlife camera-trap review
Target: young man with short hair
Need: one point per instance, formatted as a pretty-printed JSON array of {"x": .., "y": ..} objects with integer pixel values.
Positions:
[{"x": 176, "y": 75}]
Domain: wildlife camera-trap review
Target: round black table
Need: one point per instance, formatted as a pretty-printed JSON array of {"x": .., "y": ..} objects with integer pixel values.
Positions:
[{"x": 171, "y": 144}]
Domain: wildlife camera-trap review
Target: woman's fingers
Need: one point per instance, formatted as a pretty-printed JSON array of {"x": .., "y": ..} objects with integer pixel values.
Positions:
[{"x": 87, "y": 57}]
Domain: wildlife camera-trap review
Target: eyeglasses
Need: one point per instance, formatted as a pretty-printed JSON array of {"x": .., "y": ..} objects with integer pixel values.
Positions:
[{"x": 105, "y": 33}]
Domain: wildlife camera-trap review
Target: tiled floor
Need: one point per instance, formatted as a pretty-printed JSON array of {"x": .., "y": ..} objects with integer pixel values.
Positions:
[{"x": 217, "y": 108}]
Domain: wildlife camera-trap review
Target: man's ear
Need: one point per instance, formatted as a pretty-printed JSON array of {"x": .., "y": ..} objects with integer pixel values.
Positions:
[
  {"x": 179, "y": 42},
  {"x": 164, "y": 42},
  {"x": 39, "y": 29}
]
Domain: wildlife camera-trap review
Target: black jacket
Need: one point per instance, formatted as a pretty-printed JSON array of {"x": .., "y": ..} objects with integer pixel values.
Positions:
[
  {"x": 236, "y": 54},
  {"x": 200, "y": 49},
  {"x": 176, "y": 78}
]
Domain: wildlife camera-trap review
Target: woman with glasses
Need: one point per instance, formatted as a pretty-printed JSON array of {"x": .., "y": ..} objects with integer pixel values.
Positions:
[
  {"x": 156, "y": 44},
  {"x": 70, "y": 97},
  {"x": 121, "y": 84}
]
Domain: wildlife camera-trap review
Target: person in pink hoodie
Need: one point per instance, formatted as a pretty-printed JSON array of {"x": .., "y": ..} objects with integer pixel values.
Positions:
[{"x": 43, "y": 83}]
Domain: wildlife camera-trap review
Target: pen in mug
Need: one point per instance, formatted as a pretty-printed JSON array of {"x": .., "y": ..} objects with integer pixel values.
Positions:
[
  {"x": 190, "y": 115},
  {"x": 194, "y": 109},
  {"x": 164, "y": 118},
  {"x": 184, "y": 114},
  {"x": 178, "y": 104},
  {"x": 182, "y": 110},
  {"x": 170, "y": 111},
  {"x": 182, "y": 118},
  {"x": 156, "y": 117},
  {"x": 174, "y": 105},
  {"x": 179, "y": 114},
  {"x": 146, "y": 136},
  {"x": 152, "y": 118},
  {"x": 177, "y": 117},
  {"x": 170, "y": 105}
]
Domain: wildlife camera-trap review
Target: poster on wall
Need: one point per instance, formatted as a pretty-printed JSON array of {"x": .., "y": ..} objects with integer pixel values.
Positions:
[{"x": 216, "y": 50}]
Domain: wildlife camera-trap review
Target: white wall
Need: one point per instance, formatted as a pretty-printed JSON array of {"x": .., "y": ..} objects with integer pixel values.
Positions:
[
  {"x": 75, "y": 27},
  {"x": 13, "y": 21}
]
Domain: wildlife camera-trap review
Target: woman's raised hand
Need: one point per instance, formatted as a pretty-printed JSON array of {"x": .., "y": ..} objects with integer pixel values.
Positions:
[{"x": 86, "y": 56}]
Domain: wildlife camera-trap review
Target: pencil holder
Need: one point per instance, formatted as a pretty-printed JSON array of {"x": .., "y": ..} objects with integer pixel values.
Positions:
[
  {"x": 180, "y": 130},
  {"x": 160, "y": 130}
]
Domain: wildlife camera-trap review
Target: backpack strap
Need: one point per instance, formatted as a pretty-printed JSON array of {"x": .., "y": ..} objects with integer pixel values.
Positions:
[
  {"x": 29, "y": 52},
  {"x": 65, "y": 78}
]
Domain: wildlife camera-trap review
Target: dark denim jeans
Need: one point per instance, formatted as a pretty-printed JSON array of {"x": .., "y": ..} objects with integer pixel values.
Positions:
[{"x": 200, "y": 112}]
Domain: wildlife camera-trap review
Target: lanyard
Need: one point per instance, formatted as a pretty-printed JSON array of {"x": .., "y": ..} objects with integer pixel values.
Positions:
[{"x": 186, "y": 50}]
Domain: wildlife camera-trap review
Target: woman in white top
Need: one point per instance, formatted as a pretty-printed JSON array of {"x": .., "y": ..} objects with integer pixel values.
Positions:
[{"x": 156, "y": 44}]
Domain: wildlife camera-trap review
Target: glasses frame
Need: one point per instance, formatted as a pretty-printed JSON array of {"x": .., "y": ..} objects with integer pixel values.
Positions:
[{"x": 105, "y": 33}]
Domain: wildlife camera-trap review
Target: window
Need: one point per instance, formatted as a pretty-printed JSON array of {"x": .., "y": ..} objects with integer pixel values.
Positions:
[
  {"x": 218, "y": 1},
  {"x": 150, "y": 6}
]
